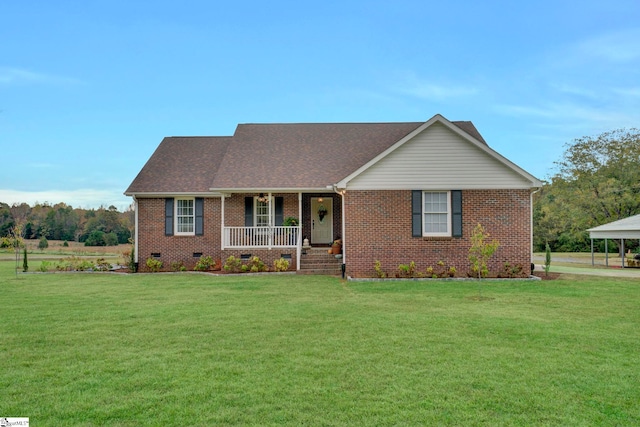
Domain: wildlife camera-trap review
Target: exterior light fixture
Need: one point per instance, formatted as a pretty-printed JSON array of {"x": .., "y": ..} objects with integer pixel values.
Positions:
[
  {"x": 319, "y": 199},
  {"x": 262, "y": 198}
]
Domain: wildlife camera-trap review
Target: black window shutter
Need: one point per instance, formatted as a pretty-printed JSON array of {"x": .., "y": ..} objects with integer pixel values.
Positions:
[
  {"x": 456, "y": 213},
  {"x": 416, "y": 213},
  {"x": 199, "y": 216},
  {"x": 168, "y": 217},
  {"x": 279, "y": 208},
  {"x": 248, "y": 211}
]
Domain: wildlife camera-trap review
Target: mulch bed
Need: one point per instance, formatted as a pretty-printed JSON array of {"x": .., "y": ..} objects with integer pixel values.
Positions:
[{"x": 543, "y": 276}]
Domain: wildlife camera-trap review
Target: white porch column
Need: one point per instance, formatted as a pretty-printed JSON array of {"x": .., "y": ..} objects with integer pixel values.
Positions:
[
  {"x": 222, "y": 222},
  {"x": 299, "y": 242}
]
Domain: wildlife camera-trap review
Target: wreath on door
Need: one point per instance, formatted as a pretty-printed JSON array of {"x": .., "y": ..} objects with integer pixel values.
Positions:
[{"x": 322, "y": 211}]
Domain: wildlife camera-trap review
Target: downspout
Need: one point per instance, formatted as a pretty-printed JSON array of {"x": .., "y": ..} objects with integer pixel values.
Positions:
[{"x": 135, "y": 233}]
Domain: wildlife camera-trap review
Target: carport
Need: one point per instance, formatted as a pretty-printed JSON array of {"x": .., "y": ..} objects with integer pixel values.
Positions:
[{"x": 627, "y": 228}]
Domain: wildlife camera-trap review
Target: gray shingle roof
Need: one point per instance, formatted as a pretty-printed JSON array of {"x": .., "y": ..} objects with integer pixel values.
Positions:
[{"x": 270, "y": 156}]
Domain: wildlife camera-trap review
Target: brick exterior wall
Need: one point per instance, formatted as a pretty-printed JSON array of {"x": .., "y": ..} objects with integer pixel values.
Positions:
[
  {"x": 378, "y": 227},
  {"x": 152, "y": 240}
]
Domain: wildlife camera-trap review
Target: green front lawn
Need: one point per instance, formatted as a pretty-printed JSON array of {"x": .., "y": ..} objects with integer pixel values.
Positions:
[{"x": 189, "y": 349}]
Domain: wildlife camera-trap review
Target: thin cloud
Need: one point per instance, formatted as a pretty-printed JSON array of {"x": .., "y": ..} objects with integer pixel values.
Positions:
[
  {"x": 619, "y": 47},
  {"x": 420, "y": 88},
  {"x": 567, "y": 112},
  {"x": 15, "y": 76}
]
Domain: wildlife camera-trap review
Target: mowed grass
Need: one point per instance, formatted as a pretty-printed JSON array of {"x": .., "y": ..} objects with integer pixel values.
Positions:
[{"x": 191, "y": 349}]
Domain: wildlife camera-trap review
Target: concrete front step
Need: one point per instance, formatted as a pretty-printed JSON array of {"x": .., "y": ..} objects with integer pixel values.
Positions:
[{"x": 319, "y": 261}]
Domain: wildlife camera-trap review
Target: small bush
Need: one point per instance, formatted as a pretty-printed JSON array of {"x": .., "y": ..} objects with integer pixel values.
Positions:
[
  {"x": 45, "y": 266},
  {"x": 65, "y": 244},
  {"x": 5, "y": 242},
  {"x": 377, "y": 267},
  {"x": 281, "y": 264},
  {"x": 244, "y": 268},
  {"x": 204, "y": 263},
  {"x": 154, "y": 264},
  {"x": 178, "y": 266},
  {"x": 256, "y": 265},
  {"x": 102, "y": 265},
  {"x": 43, "y": 243},
  {"x": 512, "y": 271},
  {"x": 232, "y": 264},
  {"x": 407, "y": 270}
]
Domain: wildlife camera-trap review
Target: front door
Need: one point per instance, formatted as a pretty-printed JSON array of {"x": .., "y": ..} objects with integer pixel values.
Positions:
[{"x": 321, "y": 221}]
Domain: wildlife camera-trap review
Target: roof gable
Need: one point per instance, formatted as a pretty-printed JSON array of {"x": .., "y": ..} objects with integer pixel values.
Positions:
[{"x": 440, "y": 154}]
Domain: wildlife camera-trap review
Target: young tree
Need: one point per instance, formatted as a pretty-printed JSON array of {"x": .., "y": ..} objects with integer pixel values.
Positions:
[
  {"x": 480, "y": 252},
  {"x": 17, "y": 241},
  {"x": 547, "y": 259}
]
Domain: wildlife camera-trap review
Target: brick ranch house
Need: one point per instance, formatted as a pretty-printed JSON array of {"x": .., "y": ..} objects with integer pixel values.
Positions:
[{"x": 393, "y": 192}]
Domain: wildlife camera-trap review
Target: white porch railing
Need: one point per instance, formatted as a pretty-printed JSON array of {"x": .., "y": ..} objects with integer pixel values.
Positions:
[{"x": 262, "y": 237}]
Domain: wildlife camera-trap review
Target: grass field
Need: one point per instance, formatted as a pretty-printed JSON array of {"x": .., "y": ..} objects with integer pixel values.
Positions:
[{"x": 193, "y": 349}]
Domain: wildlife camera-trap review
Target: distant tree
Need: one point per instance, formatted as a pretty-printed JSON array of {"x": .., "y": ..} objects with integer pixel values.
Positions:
[
  {"x": 96, "y": 238},
  {"x": 597, "y": 181},
  {"x": 43, "y": 243}
]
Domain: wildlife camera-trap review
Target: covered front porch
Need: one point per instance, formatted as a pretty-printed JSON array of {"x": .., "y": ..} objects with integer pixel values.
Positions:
[{"x": 280, "y": 220}]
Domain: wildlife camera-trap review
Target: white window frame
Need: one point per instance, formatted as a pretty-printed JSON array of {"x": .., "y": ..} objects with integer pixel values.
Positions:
[
  {"x": 178, "y": 216},
  {"x": 271, "y": 217},
  {"x": 448, "y": 233}
]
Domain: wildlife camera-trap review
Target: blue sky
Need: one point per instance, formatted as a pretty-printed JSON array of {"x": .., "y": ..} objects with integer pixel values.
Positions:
[{"x": 89, "y": 89}]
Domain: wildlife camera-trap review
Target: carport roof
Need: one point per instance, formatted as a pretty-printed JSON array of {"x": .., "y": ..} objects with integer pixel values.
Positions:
[{"x": 627, "y": 228}]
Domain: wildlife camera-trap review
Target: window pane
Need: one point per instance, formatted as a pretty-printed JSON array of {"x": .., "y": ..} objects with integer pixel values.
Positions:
[
  {"x": 262, "y": 214},
  {"x": 435, "y": 223},
  {"x": 185, "y": 216},
  {"x": 435, "y": 212}
]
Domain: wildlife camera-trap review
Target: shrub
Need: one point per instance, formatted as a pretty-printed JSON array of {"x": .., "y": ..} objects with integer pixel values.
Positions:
[
  {"x": 65, "y": 244},
  {"x": 102, "y": 265},
  {"x": 5, "y": 242},
  {"x": 407, "y": 270},
  {"x": 178, "y": 266},
  {"x": 43, "y": 243},
  {"x": 511, "y": 271},
  {"x": 256, "y": 265},
  {"x": 25, "y": 263},
  {"x": 377, "y": 267},
  {"x": 154, "y": 264},
  {"x": 232, "y": 264},
  {"x": 204, "y": 263},
  {"x": 45, "y": 266},
  {"x": 244, "y": 268},
  {"x": 281, "y": 264}
]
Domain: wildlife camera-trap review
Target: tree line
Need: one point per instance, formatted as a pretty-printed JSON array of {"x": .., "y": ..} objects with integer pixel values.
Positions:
[
  {"x": 596, "y": 181},
  {"x": 94, "y": 227}
]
